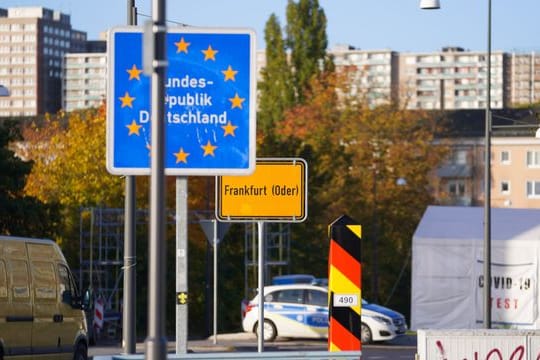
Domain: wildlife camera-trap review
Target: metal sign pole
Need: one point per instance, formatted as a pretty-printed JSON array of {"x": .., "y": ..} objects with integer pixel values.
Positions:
[
  {"x": 215, "y": 243},
  {"x": 215, "y": 231},
  {"x": 181, "y": 264},
  {"x": 260, "y": 340},
  {"x": 156, "y": 342},
  {"x": 128, "y": 314}
]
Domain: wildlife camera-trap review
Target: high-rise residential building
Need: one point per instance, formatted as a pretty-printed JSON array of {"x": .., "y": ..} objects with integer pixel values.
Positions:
[
  {"x": 524, "y": 78},
  {"x": 452, "y": 79},
  {"x": 33, "y": 42},
  {"x": 84, "y": 80},
  {"x": 375, "y": 72},
  {"x": 84, "y": 83}
]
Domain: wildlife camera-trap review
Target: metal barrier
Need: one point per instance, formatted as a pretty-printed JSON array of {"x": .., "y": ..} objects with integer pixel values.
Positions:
[{"x": 289, "y": 355}]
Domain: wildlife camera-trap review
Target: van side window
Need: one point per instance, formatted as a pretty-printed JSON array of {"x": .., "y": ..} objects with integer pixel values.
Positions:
[
  {"x": 66, "y": 281},
  {"x": 44, "y": 280},
  {"x": 18, "y": 270},
  {"x": 3, "y": 282}
]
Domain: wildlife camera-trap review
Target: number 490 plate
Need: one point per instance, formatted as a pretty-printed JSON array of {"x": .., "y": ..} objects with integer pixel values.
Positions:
[{"x": 345, "y": 300}]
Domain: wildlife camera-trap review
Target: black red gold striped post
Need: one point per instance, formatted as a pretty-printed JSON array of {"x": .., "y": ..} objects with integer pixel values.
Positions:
[{"x": 344, "y": 285}]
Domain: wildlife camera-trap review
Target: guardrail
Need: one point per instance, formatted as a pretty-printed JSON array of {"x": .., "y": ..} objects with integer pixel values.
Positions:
[{"x": 289, "y": 355}]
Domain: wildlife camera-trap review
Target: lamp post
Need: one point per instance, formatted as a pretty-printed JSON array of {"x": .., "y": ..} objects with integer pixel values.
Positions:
[
  {"x": 434, "y": 4},
  {"x": 375, "y": 260}
]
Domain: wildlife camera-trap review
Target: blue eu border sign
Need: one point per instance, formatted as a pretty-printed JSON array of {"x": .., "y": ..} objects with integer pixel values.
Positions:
[{"x": 209, "y": 103}]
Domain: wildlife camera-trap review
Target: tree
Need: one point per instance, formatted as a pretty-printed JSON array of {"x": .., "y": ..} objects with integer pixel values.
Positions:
[
  {"x": 68, "y": 151},
  {"x": 69, "y": 156},
  {"x": 307, "y": 42},
  {"x": 291, "y": 63},
  {"x": 20, "y": 215},
  {"x": 276, "y": 91},
  {"x": 358, "y": 154}
]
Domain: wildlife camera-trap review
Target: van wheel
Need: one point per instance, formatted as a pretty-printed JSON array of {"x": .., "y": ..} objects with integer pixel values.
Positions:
[
  {"x": 81, "y": 352},
  {"x": 270, "y": 332},
  {"x": 365, "y": 334}
]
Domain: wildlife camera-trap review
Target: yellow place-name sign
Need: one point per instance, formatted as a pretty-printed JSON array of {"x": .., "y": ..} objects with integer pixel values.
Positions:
[{"x": 276, "y": 191}]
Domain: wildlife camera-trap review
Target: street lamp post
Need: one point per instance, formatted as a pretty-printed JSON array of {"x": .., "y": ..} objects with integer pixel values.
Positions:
[
  {"x": 434, "y": 4},
  {"x": 375, "y": 260},
  {"x": 487, "y": 182}
]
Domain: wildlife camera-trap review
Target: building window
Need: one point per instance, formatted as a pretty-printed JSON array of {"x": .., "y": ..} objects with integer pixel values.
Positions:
[
  {"x": 533, "y": 189},
  {"x": 456, "y": 188},
  {"x": 505, "y": 187},
  {"x": 459, "y": 157},
  {"x": 505, "y": 157},
  {"x": 533, "y": 158}
]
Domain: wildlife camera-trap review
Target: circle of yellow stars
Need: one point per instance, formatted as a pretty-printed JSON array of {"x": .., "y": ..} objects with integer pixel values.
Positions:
[{"x": 182, "y": 46}]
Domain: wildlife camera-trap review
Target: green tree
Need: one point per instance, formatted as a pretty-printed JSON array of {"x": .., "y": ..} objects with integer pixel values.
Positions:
[
  {"x": 20, "y": 215},
  {"x": 291, "y": 63},
  {"x": 292, "y": 66},
  {"x": 307, "y": 42},
  {"x": 275, "y": 89}
]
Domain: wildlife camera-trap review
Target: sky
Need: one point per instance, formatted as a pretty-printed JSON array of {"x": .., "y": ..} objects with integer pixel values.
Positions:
[{"x": 398, "y": 25}]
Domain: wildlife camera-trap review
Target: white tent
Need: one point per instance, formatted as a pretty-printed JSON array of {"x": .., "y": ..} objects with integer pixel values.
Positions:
[{"x": 447, "y": 268}]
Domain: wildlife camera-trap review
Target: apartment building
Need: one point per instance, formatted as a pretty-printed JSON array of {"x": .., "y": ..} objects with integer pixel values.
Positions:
[
  {"x": 375, "y": 72},
  {"x": 515, "y": 169},
  {"x": 515, "y": 160},
  {"x": 84, "y": 83},
  {"x": 524, "y": 78},
  {"x": 452, "y": 79},
  {"x": 33, "y": 42}
]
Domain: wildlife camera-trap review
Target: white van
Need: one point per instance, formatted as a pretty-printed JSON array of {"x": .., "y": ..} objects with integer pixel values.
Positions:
[{"x": 41, "y": 311}]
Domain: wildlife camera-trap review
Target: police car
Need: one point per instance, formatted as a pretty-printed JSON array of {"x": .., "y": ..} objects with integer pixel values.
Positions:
[{"x": 301, "y": 311}]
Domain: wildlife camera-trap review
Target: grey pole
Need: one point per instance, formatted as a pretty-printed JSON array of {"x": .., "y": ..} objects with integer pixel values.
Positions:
[
  {"x": 487, "y": 184},
  {"x": 128, "y": 319},
  {"x": 215, "y": 242},
  {"x": 156, "y": 342},
  {"x": 260, "y": 340},
  {"x": 181, "y": 265},
  {"x": 375, "y": 237}
]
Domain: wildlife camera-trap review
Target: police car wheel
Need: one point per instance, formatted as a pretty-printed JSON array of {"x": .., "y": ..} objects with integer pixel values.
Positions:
[
  {"x": 270, "y": 332},
  {"x": 365, "y": 334}
]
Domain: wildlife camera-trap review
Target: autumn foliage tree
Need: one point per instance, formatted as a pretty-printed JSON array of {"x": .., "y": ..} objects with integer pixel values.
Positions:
[
  {"x": 371, "y": 163},
  {"x": 20, "y": 214},
  {"x": 68, "y": 151}
]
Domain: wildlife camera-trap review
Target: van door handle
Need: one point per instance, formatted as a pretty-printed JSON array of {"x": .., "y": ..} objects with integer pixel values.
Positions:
[{"x": 58, "y": 317}]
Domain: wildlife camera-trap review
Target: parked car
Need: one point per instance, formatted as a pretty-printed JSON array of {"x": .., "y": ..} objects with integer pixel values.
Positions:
[
  {"x": 301, "y": 311},
  {"x": 293, "y": 279}
]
